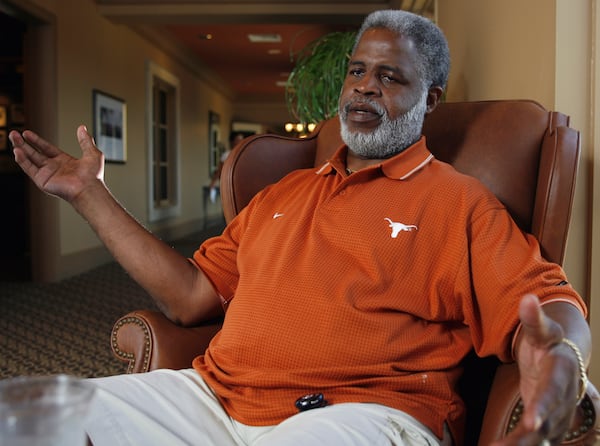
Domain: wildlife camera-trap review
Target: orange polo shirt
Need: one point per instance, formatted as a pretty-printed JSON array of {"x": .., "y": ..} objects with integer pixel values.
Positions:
[{"x": 368, "y": 288}]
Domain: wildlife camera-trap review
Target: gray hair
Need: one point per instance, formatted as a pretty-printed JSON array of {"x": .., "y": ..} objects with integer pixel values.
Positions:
[{"x": 429, "y": 40}]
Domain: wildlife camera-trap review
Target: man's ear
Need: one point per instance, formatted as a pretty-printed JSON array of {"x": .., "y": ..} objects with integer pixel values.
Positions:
[{"x": 433, "y": 98}]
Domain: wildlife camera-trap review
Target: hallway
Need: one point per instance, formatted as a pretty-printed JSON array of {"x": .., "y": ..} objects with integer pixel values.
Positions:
[{"x": 65, "y": 327}]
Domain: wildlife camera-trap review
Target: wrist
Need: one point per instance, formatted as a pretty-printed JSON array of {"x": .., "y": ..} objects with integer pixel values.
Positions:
[
  {"x": 583, "y": 379},
  {"x": 89, "y": 191},
  {"x": 95, "y": 203}
]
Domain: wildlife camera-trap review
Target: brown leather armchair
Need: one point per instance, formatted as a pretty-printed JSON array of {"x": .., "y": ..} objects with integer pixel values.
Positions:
[{"x": 525, "y": 154}]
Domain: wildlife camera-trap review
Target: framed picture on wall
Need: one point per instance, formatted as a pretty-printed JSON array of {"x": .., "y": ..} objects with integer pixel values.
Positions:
[{"x": 110, "y": 126}]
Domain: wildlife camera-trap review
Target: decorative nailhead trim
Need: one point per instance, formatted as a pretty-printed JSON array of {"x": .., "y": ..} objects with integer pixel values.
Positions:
[
  {"x": 129, "y": 356},
  {"x": 586, "y": 406}
]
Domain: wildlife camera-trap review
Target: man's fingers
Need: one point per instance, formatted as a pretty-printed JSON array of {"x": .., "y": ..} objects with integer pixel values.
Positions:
[
  {"x": 535, "y": 324},
  {"x": 39, "y": 144},
  {"x": 86, "y": 142},
  {"x": 538, "y": 434},
  {"x": 26, "y": 155},
  {"x": 25, "y": 162},
  {"x": 19, "y": 142},
  {"x": 530, "y": 312},
  {"x": 15, "y": 138}
]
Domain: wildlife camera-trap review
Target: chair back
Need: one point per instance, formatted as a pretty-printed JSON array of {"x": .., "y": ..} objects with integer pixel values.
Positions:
[{"x": 526, "y": 155}]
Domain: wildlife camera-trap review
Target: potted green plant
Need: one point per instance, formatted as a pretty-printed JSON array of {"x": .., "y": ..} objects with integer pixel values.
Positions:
[{"x": 314, "y": 84}]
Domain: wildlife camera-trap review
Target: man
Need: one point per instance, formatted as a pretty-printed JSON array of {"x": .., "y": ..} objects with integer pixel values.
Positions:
[{"x": 341, "y": 288}]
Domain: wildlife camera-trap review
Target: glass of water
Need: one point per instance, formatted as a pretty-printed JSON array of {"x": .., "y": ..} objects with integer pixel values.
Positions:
[{"x": 44, "y": 410}]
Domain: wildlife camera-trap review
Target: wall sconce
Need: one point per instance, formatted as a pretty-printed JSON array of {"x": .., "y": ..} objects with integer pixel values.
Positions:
[{"x": 299, "y": 127}]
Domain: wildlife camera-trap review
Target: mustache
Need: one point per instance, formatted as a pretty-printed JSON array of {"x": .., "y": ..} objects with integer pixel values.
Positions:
[{"x": 353, "y": 104}]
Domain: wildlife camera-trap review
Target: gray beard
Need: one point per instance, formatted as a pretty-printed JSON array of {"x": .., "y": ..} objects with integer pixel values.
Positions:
[{"x": 390, "y": 137}]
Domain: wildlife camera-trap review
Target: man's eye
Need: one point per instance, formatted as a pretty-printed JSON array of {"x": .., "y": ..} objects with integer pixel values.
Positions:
[
  {"x": 387, "y": 79},
  {"x": 355, "y": 72}
]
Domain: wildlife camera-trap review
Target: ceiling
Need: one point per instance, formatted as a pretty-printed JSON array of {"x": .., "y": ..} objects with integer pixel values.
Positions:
[{"x": 211, "y": 36}]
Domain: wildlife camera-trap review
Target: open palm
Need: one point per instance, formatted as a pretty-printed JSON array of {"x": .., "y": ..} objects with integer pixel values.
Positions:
[
  {"x": 548, "y": 379},
  {"x": 54, "y": 171}
]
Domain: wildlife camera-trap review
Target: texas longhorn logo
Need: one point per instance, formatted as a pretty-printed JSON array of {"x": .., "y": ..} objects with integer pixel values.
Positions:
[{"x": 398, "y": 227}]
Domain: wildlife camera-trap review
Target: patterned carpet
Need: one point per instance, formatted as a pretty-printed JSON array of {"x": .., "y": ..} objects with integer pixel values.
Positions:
[{"x": 65, "y": 327}]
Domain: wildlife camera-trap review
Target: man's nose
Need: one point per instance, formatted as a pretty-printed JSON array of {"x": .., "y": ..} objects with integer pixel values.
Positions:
[{"x": 368, "y": 85}]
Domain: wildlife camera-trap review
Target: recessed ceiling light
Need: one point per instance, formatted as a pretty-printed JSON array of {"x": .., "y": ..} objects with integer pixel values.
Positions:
[
  {"x": 205, "y": 36},
  {"x": 264, "y": 38}
]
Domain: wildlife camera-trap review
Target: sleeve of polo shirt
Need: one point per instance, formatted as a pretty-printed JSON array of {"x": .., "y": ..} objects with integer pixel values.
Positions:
[
  {"x": 217, "y": 256},
  {"x": 506, "y": 264}
]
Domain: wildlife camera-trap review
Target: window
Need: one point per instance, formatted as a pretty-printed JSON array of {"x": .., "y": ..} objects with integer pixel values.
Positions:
[{"x": 163, "y": 143}]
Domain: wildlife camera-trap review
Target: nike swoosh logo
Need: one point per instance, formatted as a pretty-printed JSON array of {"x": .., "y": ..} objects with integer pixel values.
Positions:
[{"x": 277, "y": 215}]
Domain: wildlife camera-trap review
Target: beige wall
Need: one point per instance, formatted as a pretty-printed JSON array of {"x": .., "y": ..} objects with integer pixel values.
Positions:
[
  {"x": 574, "y": 92},
  {"x": 496, "y": 52},
  {"x": 93, "y": 53},
  {"x": 541, "y": 50}
]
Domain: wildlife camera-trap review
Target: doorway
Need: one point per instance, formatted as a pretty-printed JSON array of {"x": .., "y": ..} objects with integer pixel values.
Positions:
[{"x": 15, "y": 252}]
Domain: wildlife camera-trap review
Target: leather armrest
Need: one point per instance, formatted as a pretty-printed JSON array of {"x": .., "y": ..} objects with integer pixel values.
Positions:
[
  {"x": 504, "y": 409},
  {"x": 147, "y": 340}
]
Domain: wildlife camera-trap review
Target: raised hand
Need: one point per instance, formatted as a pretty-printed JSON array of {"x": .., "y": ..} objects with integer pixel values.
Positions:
[
  {"x": 54, "y": 171},
  {"x": 549, "y": 377}
]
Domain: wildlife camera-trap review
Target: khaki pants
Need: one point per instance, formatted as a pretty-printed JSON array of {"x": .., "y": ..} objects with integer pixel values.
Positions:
[{"x": 168, "y": 407}]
